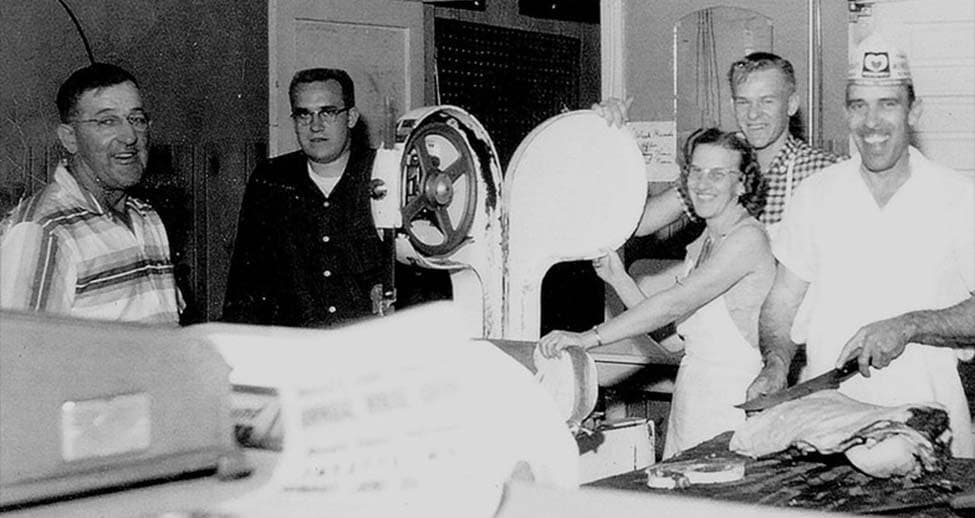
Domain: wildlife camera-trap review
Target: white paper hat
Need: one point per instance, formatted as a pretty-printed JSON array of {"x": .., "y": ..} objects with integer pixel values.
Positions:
[{"x": 878, "y": 62}]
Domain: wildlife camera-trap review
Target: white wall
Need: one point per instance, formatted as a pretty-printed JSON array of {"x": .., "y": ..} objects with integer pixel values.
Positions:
[{"x": 647, "y": 59}]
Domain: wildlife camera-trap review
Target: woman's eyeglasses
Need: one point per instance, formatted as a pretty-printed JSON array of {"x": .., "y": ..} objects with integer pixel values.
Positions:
[{"x": 714, "y": 174}]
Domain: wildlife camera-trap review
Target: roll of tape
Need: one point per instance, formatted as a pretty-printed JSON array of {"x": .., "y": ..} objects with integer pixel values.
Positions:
[{"x": 687, "y": 473}]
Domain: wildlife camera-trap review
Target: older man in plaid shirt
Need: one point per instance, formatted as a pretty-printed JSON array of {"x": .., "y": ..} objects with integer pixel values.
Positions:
[
  {"x": 763, "y": 87},
  {"x": 82, "y": 246}
]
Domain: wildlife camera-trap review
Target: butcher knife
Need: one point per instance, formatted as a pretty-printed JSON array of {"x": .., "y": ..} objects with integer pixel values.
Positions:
[{"x": 829, "y": 380}]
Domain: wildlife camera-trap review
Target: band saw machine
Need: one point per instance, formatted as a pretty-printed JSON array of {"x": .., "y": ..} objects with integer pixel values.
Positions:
[{"x": 574, "y": 188}]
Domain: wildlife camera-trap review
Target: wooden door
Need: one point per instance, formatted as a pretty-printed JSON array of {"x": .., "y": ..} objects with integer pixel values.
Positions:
[{"x": 378, "y": 42}]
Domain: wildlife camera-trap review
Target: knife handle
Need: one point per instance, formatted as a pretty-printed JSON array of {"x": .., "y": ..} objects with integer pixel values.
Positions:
[{"x": 849, "y": 368}]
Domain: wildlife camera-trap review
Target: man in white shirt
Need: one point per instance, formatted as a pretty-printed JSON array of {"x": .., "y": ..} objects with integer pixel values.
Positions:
[{"x": 884, "y": 245}]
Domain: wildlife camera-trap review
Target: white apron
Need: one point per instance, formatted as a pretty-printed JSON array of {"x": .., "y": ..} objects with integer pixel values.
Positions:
[{"x": 717, "y": 367}]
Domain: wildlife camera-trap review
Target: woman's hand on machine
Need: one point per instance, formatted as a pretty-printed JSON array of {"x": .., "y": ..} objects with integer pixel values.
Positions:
[
  {"x": 613, "y": 110},
  {"x": 552, "y": 344},
  {"x": 609, "y": 267}
]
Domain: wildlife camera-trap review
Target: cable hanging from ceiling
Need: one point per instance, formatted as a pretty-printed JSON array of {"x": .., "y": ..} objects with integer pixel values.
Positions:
[{"x": 81, "y": 32}]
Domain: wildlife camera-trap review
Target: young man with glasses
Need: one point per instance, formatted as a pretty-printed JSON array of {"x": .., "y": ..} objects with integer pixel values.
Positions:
[
  {"x": 82, "y": 246},
  {"x": 307, "y": 253}
]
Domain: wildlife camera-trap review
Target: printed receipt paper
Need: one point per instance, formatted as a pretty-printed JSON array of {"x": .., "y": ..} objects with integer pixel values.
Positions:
[{"x": 387, "y": 416}]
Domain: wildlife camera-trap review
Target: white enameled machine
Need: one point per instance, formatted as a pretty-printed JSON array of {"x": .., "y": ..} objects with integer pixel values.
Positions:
[
  {"x": 574, "y": 189},
  {"x": 439, "y": 189}
]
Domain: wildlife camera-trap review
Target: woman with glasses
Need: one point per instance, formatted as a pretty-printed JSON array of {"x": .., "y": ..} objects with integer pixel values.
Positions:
[{"x": 728, "y": 272}]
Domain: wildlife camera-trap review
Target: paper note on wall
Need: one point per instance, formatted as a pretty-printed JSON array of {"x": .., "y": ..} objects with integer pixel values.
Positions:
[
  {"x": 400, "y": 416},
  {"x": 658, "y": 143}
]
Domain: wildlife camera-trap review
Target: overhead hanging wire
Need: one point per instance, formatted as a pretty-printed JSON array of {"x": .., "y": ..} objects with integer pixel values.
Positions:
[{"x": 81, "y": 32}]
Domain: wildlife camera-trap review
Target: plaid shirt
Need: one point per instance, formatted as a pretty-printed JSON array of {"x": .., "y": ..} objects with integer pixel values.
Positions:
[
  {"x": 805, "y": 161},
  {"x": 62, "y": 252}
]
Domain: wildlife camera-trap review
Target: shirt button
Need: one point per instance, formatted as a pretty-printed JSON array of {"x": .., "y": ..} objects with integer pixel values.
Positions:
[
  {"x": 326, "y": 239},
  {"x": 327, "y": 273},
  {"x": 327, "y": 204},
  {"x": 331, "y": 309}
]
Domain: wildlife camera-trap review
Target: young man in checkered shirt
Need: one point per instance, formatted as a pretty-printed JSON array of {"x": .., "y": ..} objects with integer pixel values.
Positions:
[{"x": 763, "y": 87}]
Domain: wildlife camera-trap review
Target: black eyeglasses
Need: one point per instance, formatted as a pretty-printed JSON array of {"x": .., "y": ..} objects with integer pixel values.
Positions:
[
  {"x": 327, "y": 113},
  {"x": 139, "y": 122}
]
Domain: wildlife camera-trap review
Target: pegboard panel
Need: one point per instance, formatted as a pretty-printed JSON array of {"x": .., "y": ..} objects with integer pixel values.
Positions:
[{"x": 510, "y": 80}]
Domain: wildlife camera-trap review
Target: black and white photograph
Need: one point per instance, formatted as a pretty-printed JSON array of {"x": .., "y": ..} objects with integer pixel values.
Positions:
[{"x": 487, "y": 258}]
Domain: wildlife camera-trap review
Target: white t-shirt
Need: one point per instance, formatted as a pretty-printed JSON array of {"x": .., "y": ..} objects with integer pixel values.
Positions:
[
  {"x": 324, "y": 184},
  {"x": 867, "y": 263}
]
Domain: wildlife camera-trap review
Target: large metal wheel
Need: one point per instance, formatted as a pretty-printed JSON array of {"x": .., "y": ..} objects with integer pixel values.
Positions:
[{"x": 439, "y": 188}]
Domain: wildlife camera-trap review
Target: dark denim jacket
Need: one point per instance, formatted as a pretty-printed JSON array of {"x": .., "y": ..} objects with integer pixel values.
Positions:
[{"x": 301, "y": 259}]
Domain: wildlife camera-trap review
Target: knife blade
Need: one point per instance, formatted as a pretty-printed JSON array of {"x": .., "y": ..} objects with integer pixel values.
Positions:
[{"x": 829, "y": 380}]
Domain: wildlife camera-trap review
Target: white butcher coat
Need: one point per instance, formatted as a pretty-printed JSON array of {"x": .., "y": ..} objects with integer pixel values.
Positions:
[{"x": 866, "y": 263}]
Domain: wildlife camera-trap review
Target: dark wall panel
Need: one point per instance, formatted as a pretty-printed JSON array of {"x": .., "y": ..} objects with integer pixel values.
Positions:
[{"x": 510, "y": 79}]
